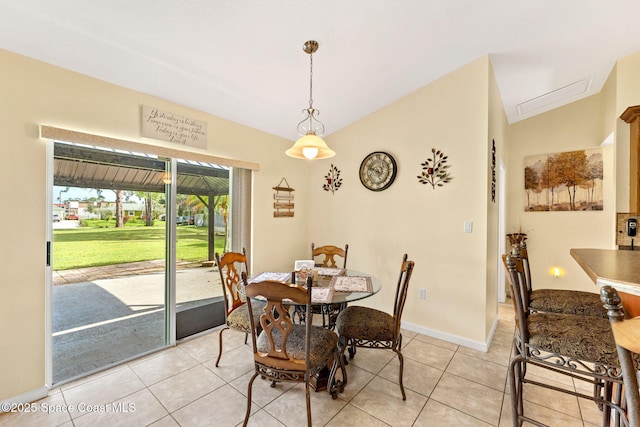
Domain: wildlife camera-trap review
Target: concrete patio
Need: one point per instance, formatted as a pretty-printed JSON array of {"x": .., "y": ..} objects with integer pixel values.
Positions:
[{"x": 103, "y": 315}]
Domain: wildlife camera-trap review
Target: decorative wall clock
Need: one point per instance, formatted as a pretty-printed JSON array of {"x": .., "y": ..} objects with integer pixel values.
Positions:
[{"x": 378, "y": 171}]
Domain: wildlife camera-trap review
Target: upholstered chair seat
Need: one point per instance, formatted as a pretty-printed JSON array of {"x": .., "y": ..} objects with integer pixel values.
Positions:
[
  {"x": 238, "y": 319},
  {"x": 323, "y": 343},
  {"x": 365, "y": 323},
  {"x": 564, "y": 301},
  {"x": 585, "y": 338},
  {"x": 567, "y": 301}
]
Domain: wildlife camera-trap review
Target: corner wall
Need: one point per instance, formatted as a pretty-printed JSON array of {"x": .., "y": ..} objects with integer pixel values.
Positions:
[
  {"x": 451, "y": 115},
  {"x": 497, "y": 132}
]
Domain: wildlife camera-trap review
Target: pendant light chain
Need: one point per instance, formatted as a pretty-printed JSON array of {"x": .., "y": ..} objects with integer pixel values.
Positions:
[{"x": 311, "y": 80}]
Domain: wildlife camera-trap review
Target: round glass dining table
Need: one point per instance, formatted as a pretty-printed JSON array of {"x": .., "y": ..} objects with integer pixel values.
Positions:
[{"x": 341, "y": 294}]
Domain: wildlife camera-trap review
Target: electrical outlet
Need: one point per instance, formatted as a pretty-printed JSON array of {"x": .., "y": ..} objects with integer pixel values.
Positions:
[{"x": 422, "y": 293}]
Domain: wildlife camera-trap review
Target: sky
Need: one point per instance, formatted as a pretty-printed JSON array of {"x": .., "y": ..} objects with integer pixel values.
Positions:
[{"x": 76, "y": 193}]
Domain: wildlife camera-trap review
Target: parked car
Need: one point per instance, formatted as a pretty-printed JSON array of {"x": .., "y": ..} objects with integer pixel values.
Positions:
[
  {"x": 72, "y": 217},
  {"x": 56, "y": 217}
]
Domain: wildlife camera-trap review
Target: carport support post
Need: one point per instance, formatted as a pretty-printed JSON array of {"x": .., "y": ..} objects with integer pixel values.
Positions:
[{"x": 211, "y": 227}]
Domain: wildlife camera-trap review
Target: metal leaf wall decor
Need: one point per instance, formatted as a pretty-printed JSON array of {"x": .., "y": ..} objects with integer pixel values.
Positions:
[
  {"x": 435, "y": 170},
  {"x": 333, "y": 180}
]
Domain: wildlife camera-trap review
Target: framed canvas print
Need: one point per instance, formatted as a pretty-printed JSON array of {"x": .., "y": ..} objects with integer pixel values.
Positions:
[{"x": 568, "y": 181}]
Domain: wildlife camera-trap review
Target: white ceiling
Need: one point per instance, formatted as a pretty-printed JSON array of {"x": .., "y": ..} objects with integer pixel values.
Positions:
[{"x": 242, "y": 59}]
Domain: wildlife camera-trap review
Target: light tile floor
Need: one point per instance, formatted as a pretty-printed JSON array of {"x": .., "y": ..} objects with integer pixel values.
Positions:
[{"x": 446, "y": 385}]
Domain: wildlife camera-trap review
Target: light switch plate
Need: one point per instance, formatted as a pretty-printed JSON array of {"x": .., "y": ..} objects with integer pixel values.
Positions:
[{"x": 468, "y": 226}]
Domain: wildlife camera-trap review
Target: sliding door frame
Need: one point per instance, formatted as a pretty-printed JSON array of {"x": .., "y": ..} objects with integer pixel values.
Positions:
[{"x": 241, "y": 208}]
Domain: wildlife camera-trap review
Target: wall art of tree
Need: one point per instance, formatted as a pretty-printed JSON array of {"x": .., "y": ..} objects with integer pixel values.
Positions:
[{"x": 568, "y": 181}]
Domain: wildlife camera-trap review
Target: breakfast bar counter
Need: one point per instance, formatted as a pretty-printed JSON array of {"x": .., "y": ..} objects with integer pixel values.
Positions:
[{"x": 617, "y": 268}]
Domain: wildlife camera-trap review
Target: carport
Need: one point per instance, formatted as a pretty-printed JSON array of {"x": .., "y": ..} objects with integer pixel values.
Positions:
[{"x": 106, "y": 168}]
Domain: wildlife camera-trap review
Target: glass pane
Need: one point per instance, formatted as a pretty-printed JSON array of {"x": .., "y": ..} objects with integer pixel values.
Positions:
[
  {"x": 108, "y": 258},
  {"x": 202, "y": 207}
]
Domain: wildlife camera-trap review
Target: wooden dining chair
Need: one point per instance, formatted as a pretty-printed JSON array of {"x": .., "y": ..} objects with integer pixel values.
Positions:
[
  {"x": 367, "y": 327},
  {"x": 231, "y": 266},
  {"x": 626, "y": 333},
  {"x": 581, "y": 347},
  {"x": 284, "y": 351},
  {"x": 325, "y": 256},
  {"x": 328, "y": 254},
  {"x": 558, "y": 300}
]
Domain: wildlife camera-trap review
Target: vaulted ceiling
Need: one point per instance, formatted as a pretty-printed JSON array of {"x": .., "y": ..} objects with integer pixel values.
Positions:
[{"x": 243, "y": 60}]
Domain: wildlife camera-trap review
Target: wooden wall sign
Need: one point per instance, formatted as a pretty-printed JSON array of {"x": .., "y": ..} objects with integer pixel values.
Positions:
[
  {"x": 283, "y": 200},
  {"x": 170, "y": 127}
]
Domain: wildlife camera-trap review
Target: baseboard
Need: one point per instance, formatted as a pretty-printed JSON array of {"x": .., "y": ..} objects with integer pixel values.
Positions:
[
  {"x": 30, "y": 396},
  {"x": 455, "y": 339}
]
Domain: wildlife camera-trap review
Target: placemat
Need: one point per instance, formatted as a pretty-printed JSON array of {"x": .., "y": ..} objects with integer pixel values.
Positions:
[
  {"x": 271, "y": 275},
  {"x": 321, "y": 295},
  {"x": 352, "y": 284},
  {"x": 327, "y": 271}
]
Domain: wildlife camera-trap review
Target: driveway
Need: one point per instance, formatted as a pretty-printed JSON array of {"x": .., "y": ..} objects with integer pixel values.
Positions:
[{"x": 66, "y": 224}]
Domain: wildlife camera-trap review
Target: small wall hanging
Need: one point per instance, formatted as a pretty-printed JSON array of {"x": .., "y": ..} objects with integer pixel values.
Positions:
[
  {"x": 493, "y": 171},
  {"x": 333, "y": 180},
  {"x": 283, "y": 197},
  {"x": 434, "y": 171}
]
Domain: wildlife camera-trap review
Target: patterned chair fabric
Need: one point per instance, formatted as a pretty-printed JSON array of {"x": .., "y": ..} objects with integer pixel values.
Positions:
[
  {"x": 581, "y": 347},
  {"x": 567, "y": 302},
  {"x": 367, "y": 327},
  {"x": 558, "y": 300},
  {"x": 323, "y": 343},
  {"x": 366, "y": 324},
  {"x": 283, "y": 351},
  {"x": 238, "y": 319},
  {"x": 590, "y": 339}
]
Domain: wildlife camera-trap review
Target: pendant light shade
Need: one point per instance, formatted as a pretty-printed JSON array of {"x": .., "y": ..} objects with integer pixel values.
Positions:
[{"x": 310, "y": 145}]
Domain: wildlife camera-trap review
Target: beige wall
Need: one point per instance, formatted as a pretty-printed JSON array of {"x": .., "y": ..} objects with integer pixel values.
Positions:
[
  {"x": 34, "y": 93},
  {"x": 451, "y": 115}
]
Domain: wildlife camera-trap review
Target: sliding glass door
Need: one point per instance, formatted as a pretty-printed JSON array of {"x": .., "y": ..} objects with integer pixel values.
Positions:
[
  {"x": 133, "y": 243},
  {"x": 109, "y": 239}
]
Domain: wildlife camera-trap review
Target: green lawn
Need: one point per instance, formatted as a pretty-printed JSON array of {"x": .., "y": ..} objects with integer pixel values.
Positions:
[{"x": 90, "y": 247}]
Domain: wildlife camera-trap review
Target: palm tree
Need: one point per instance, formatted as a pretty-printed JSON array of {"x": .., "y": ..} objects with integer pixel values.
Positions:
[{"x": 223, "y": 208}]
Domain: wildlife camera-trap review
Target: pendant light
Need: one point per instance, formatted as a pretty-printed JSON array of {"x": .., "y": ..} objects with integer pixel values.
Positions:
[{"x": 310, "y": 145}]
